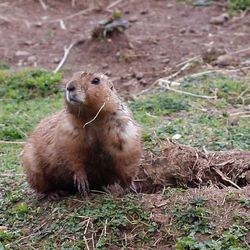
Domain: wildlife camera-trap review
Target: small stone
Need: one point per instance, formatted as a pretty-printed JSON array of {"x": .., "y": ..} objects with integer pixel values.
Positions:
[
  {"x": 22, "y": 53},
  {"x": 31, "y": 58},
  {"x": 56, "y": 60},
  {"x": 224, "y": 60},
  {"x": 28, "y": 43},
  {"x": 125, "y": 77},
  {"x": 183, "y": 30},
  {"x": 176, "y": 137},
  {"x": 166, "y": 61},
  {"x": 138, "y": 75},
  {"x": 143, "y": 82},
  {"x": 205, "y": 28},
  {"x": 38, "y": 24},
  {"x": 133, "y": 19},
  {"x": 210, "y": 54},
  {"x": 20, "y": 63},
  {"x": 108, "y": 73},
  {"x": 130, "y": 45},
  {"x": 155, "y": 41},
  {"x": 218, "y": 20},
  {"x": 247, "y": 174},
  {"x": 105, "y": 66},
  {"x": 144, "y": 12},
  {"x": 234, "y": 122},
  {"x": 191, "y": 30},
  {"x": 126, "y": 55}
]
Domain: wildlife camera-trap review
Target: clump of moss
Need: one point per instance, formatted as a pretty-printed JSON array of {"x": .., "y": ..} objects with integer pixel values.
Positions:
[{"x": 28, "y": 83}]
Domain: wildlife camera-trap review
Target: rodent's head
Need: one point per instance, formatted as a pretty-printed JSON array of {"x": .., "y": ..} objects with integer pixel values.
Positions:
[{"x": 89, "y": 91}]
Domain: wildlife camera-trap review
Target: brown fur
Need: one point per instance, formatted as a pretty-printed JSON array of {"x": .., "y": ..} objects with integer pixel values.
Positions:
[{"x": 63, "y": 155}]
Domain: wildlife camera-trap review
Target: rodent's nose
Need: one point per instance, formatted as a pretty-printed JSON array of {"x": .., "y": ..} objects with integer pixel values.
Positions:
[{"x": 71, "y": 86}]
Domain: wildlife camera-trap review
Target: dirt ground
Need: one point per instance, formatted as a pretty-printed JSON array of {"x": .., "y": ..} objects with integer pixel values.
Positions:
[{"x": 161, "y": 35}]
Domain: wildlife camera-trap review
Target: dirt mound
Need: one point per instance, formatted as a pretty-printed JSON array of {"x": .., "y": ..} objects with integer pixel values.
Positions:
[{"x": 183, "y": 166}]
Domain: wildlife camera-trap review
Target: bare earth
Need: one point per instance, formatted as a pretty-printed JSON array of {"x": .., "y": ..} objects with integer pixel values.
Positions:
[{"x": 161, "y": 35}]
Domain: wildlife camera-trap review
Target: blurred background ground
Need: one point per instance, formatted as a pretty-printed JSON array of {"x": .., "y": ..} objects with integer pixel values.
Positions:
[{"x": 162, "y": 34}]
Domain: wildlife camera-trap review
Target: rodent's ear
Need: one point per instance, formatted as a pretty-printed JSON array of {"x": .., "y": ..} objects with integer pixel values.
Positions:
[{"x": 112, "y": 87}]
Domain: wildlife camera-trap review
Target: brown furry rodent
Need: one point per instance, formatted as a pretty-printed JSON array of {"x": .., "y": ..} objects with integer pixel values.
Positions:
[{"x": 67, "y": 153}]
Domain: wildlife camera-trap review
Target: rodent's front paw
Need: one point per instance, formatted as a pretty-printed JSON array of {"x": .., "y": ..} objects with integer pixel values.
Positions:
[{"x": 81, "y": 183}]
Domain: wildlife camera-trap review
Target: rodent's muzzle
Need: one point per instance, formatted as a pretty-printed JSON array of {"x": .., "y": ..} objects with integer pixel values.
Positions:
[{"x": 72, "y": 95}]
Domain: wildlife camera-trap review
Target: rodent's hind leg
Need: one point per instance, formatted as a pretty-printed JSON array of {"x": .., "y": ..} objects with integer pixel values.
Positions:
[
  {"x": 81, "y": 183},
  {"x": 115, "y": 188},
  {"x": 52, "y": 196}
]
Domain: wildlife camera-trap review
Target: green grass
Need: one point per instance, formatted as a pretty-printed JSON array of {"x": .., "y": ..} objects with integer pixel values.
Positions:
[
  {"x": 27, "y": 84},
  {"x": 234, "y": 6},
  {"x": 26, "y": 97},
  {"x": 60, "y": 225},
  {"x": 200, "y": 122},
  {"x": 121, "y": 222},
  {"x": 238, "y": 5},
  {"x": 17, "y": 118},
  {"x": 129, "y": 221},
  {"x": 233, "y": 239}
]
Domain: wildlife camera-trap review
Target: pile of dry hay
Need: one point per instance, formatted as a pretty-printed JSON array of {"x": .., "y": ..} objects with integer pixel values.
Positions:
[{"x": 184, "y": 166}]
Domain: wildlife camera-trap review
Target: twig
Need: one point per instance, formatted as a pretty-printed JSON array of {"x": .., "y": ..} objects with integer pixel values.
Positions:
[
  {"x": 240, "y": 51},
  {"x": 112, "y": 5},
  {"x": 62, "y": 25},
  {"x": 212, "y": 71},
  {"x": 165, "y": 84},
  {"x": 44, "y": 6},
  {"x": 86, "y": 227},
  {"x": 27, "y": 24},
  {"x": 84, "y": 233},
  {"x": 178, "y": 72},
  {"x": 188, "y": 60},
  {"x": 11, "y": 175},
  {"x": 4, "y": 18},
  {"x": 66, "y": 52},
  {"x": 103, "y": 105},
  {"x": 241, "y": 113},
  {"x": 244, "y": 116},
  {"x": 224, "y": 163},
  {"x": 104, "y": 232},
  {"x": 86, "y": 242},
  {"x": 73, "y": 3},
  {"x": 12, "y": 142},
  {"x": 225, "y": 178},
  {"x": 70, "y": 16},
  {"x": 243, "y": 92}
]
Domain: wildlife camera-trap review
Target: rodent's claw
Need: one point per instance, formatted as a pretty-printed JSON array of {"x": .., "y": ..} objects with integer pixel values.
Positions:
[
  {"x": 82, "y": 184},
  {"x": 133, "y": 187}
]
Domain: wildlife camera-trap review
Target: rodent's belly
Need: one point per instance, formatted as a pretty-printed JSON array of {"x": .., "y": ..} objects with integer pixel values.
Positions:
[{"x": 100, "y": 169}]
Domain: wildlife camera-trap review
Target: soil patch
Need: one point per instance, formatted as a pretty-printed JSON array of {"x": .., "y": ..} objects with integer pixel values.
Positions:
[{"x": 161, "y": 35}]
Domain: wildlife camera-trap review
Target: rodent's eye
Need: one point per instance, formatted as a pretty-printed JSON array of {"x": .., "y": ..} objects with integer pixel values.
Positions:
[{"x": 96, "y": 80}]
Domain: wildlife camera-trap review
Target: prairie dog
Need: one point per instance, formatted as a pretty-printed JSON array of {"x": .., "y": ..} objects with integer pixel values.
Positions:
[{"x": 93, "y": 142}]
